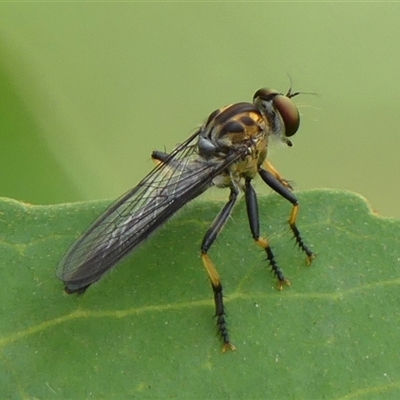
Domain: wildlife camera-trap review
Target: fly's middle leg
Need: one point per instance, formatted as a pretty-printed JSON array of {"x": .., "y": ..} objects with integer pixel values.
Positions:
[
  {"x": 215, "y": 280},
  {"x": 254, "y": 221}
]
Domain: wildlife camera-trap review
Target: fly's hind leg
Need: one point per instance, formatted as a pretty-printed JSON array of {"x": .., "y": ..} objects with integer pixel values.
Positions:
[
  {"x": 159, "y": 157},
  {"x": 163, "y": 160},
  {"x": 274, "y": 183},
  {"x": 254, "y": 221},
  {"x": 215, "y": 280}
]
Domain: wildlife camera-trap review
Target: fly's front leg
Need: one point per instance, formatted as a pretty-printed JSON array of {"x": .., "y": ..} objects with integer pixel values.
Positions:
[
  {"x": 215, "y": 280},
  {"x": 254, "y": 221},
  {"x": 273, "y": 182},
  {"x": 269, "y": 167}
]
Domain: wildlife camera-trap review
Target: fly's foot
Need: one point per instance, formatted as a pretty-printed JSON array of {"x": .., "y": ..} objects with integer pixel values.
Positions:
[
  {"x": 228, "y": 346},
  {"x": 286, "y": 183},
  {"x": 282, "y": 283},
  {"x": 310, "y": 258},
  {"x": 223, "y": 331}
]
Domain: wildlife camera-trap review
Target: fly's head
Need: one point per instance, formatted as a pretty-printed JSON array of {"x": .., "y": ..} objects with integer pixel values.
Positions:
[{"x": 279, "y": 111}]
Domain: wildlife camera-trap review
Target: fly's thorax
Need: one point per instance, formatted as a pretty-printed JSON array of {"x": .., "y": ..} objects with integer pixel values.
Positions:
[
  {"x": 246, "y": 167},
  {"x": 233, "y": 128}
]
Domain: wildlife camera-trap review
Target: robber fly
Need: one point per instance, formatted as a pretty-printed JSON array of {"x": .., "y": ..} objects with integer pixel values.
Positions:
[{"x": 227, "y": 151}]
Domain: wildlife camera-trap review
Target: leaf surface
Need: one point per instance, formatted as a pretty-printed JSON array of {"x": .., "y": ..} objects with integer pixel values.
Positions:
[{"x": 146, "y": 329}]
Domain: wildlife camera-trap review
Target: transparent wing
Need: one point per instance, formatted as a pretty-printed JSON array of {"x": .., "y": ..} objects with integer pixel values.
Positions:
[{"x": 179, "y": 178}]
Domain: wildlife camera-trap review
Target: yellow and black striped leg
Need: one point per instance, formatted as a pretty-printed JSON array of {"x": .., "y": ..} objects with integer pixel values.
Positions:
[
  {"x": 215, "y": 280},
  {"x": 254, "y": 221},
  {"x": 280, "y": 188}
]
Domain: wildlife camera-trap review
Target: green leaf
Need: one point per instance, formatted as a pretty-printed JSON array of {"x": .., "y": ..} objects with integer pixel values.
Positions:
[{"x": 146, "y": 329}]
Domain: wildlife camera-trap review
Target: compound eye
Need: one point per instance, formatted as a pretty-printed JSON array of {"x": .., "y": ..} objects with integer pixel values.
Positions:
[
  {"x": 265, "y": 94},
  {"x": 289, "y": 113}
]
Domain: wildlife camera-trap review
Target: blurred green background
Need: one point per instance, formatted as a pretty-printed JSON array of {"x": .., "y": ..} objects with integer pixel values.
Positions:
[{"x": 88, "y": 90}]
